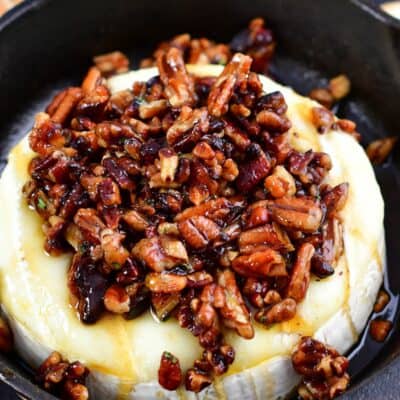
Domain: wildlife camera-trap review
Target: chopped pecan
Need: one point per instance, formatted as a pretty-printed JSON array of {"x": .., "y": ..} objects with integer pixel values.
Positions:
[
  {"x": 300, "y": 279},
  {"x": 379, "y": 329},
  {"x": 214, "y": 209},
  {"x": 235, "y": 74},
  {"x": 378, "y": 151},
  {"x": 136, "y": 221},
  {"x": 322, "y": 118},
  {"x": 273, "y": 122},
  {"x": 339, "y": 87},
  {"x": 323, "y": 370},
  {"x": 168, "y": 164},
  {"x": 179, "y": 85},
  {"x": 254, "y": 170},
  {"x": 282, "y": 311},
  {"x": 335, "y": 198},
  {"x": 381, "y": 301},
  {"x": 280, "y": 183},
  {"x": 270, "y": 235},
  {"x": 199, "y": 231},
  {"x": 92, "y": 80},
  {"x": 299, "y": 213},
  {"x": 260, "y": 264},
  {"x": 67, "y": 104},
  {"x": 323, "y": 96},
  {"x": 165, "y": 282},
  {"x": 196, "y": 381},
  {"x": 150, "y": 110},
  {"x": 111, "y": 63},
  {"x": 169, "y": 373},
  {"x": 89, "y": 223},
  {"x": 115, "y": 254},
  {"x": 117, "y": 300},
  {"x": 234, "y": 312}
]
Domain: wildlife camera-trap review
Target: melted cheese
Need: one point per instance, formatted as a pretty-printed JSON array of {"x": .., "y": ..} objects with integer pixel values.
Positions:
[{"x": 122, "y": 354}]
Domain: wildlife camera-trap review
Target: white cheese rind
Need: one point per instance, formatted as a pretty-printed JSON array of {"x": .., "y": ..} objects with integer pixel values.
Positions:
[{"x": 124, "y": 356}]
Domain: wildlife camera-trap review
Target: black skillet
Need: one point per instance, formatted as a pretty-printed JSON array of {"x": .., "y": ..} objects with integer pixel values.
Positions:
[{"x": 48, "y": 44}]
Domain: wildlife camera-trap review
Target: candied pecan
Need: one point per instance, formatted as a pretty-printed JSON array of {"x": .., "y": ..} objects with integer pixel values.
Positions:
[
  {"x": 254, "y": 170},
  {"x": 378, "y": 151},
  {"x": 323, "y": 96},
  {"x": 257, "y": 216},
  {"x": 89, "y": 223},
  {"x": 165, "y": 282},
  {"x": 54, "y": 231},
  {"x": 270, "y": 235},
  {"x": 335, "y": 198},
  {"x": 93, "y": 103},
  {"x": 109, "y": 193},
  {"x": 238, "y": 137},
  {"x": 188, "y": 128},
  {"x": 273, "y": 122},
  {"x": 115, "y": 168},
  {"x": 323, "y": 370},
  {"x": 115, "y": 254},
  {"x": 213, "y": 209},
  {"x": 153, "y": 108},
  {"x": 199, "y": 279},
  {"x": 235, "y": 74},
  {"x": 63, "y": 378},
  {"x": 260, "y": 264},
  {"x": 379, "y": 329},
  {"x": 112, "y": 63},
  {"x": 272, "y": 297},
  {"x": 72, "y": 97},
  {"x": 196, "y": 381},
  {"x": 332, "y": 240},
  {"x": 164, "y": 304},
  {"x": 230, "y": 170},
  {"x": 296, "y": 213},
  {"x": 199, "y": 231},
  {"x": 300, "y": 279},
  {"x": 168, "y": 164},
  {"x": 255, "y": 290},
  {"x": 152, "y": 253},
  {"x": 169, "y": 373},
  {"x": 339, "y": 86},
  {"x": 179, "y": 85},
  {"x": 322, "y": 118},
  {"x": 234, "y": 312},
  {"x": 381, "y": 301},
  {"x": 6, "y": 338},
  {"x": 135, "y": 220},
  {"x": 92, "y": 80},
  {"x": 116, "y": 300},
  {"x": 280, "y": 183},
  {"x": 282, "y": 311}
]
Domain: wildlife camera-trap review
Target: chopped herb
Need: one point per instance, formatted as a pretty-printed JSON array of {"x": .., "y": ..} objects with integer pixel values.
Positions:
[
  {"x": 83, "y": 247},
  {"x": 116, "y": 265},
  {"x": 170, "y": 357},
  {"x": 41, "y": 203}
]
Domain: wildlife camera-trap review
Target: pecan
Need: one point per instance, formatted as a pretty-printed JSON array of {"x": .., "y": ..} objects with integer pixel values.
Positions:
[
  {"x": 136, "y": 221},
  {"x": 254, "y": 170},
  {"x": 6, "y": 339},
  {"x": 165, "y": 282},
  {"x": 378, "y": 151},
  {"x": 280, "y": 183},
  {"x": 119, "y": 170},
  {"x": 150, "y": 110},
  {"x": 169, "y": 373},
  {"x": 238, "y": 137},
  {"x": 323, "y": 370},
  {"x": 67, "y": 104},
  {"x": 89, "y": 223},
  {"x": 168, "y": 164},
  {"x": 260, "y": 264},
  {"x": 335, "y": 198},
  {"x": 323, "y": 96},
  {"x": 257, "y": 216},
  {"x": 379, "y": 329},
  {"x": 382, "y": 301},
  {"x": 299, "y": 213},
  {"x": 75, "y": 391},
  {"x": 235, "y": 74},
  {"x": 116, "y": 300},
  {"x": 151, "y": 253},
  {"x": 213, "y": 209},
  {"x": 199, "y": 279},
  {"x": 322, "y": 118},
  {"x": 255, "y": 290},
  {"x": 234, "y": 312},
  {"x": 179, "y": 85},
  {"x": 188, "y": 128},
  {"x": 285, "y": 310},
  {"x": 273, "y": 122},
  {"x": 339, "y": 87},
  {"x": 164, "y": 304},
  {"x": 272, "y": 297},
  {"x": 92, "y": 80},
  {"x": 199, "y": 231},
  {"x": 115, "y": 253},
  {"x": 300, "y": 278},
  {"x": 270, "y": 235},
  {"x": 196, "y": 381},
  {"x": 111, "y": 63},
  {"x": 109, "y": 192}
]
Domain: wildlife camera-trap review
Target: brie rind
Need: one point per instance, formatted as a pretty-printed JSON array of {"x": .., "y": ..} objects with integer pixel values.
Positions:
[{"x": 124, "y": 355}]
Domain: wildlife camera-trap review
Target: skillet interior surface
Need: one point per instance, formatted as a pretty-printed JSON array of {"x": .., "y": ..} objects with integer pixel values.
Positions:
[{"x": 46, "y": 45}]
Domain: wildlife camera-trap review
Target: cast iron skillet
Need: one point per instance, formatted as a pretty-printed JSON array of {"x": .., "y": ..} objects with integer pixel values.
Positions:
[{"x": 48, "y": 44}]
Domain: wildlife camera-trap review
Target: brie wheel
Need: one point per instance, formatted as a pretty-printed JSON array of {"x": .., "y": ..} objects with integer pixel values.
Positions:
[{"x": 124, "y": 356}]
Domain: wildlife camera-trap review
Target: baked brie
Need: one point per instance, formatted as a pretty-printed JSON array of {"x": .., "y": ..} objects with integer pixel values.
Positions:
[{"x": 124, "y": 355}]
